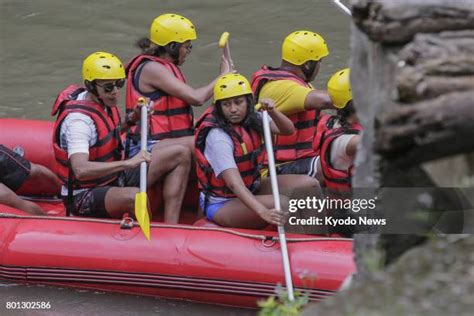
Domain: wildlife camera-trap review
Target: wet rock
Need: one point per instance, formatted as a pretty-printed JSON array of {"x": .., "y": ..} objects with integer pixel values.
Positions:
[
  {"x": 428, "y": 130},
  {"x": 395, "y": 22},
  {"x": 434, "y": 279},
  {"x": 412, "y": 76}
]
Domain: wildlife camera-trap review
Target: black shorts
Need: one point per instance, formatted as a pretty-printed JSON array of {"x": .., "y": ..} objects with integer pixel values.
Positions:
[
  {"x": 91, "y": 202},
  {"x": 14, "y": 169},
  {"x": 306, "y": 166}
]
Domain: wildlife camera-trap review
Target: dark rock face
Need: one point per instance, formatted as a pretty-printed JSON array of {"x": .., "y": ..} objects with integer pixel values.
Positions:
[
  {"x": 412, "y": 74},
  {"x": 435, "y": 279},
  {"x": 435, "y": 80},
  {"x": 414, "y": 93},
  {"x": 396, "y": 22},
  {"x": 416, "y": 98}
]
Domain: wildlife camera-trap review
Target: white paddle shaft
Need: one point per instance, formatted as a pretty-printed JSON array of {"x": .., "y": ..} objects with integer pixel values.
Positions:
[
  {"x": 276, "y": 199},
  {"x": 227, "y": 53},
  {"x": 341, "y": 6},
  {"x": 143, "y": 145}
]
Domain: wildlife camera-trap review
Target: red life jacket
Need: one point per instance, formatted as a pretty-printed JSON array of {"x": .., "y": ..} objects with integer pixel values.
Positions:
[
  {"x": 172, "y": 117},
  {"x": 299, "y": 144},
  {"x": 247, "y": 153},
  {"x": 335, "y": 179},
  {"x": 108, "y": 146},
  {"x": 325, "y": 123}
]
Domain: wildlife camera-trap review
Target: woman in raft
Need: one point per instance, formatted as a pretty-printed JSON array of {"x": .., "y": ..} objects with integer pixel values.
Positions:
[
  {"x": 339, "y": 136},
  {"x": 155, "y": 74},
  {"x": 229, "y": 154}
]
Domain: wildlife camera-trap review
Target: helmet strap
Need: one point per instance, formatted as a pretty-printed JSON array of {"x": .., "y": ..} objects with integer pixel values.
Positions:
[
  {"x": 92, "y": 88},
  {"x": 173, "y": 50},
  {"x": 250, "y": 108},
  {"x": 308, "y": 69},
  {"x": 344, "y": 113},
  {"x": 101, "y": 102}
]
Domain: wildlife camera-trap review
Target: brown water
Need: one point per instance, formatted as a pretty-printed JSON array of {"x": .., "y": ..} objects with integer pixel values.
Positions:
[
  {"x": 43, "y": 43},
  {"x": 67, "y": 301}
]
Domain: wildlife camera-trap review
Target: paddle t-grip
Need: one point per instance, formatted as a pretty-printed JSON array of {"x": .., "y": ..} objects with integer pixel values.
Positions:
[{"x": 224, "y": 39}]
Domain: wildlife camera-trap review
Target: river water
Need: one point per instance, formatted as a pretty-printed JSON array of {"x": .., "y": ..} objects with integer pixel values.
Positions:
[
  {"x": 43, "y": 43},
  {"x": 67, "y": 301}
]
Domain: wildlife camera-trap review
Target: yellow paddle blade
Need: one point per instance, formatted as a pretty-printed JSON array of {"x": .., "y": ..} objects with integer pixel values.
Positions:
[
  {"x": 258, "y": 106},
  {"x": 223, "y": 40},
  {"x": 141, "y": 213}
]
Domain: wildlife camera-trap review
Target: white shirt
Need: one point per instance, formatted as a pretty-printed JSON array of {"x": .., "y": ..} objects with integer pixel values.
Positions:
[
  {"x": 219, "y": 152},
  {"x": 78, "y": 132},
  {"x": 339, "y": 158}
]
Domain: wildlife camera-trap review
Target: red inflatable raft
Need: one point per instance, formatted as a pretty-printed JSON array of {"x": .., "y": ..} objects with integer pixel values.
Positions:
[{"x": 194, "y": 260}]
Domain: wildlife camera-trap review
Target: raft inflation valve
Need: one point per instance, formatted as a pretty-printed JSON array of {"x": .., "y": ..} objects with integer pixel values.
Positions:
[
  {"x": 126, "y": 222},
  {"x": 269, "y": 242}
]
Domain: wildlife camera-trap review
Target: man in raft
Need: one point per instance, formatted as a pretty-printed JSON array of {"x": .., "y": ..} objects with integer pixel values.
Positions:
[
  {"x": 97, "y": 182},
  {"x": 155, "y": 74},
  {"x": 229, "y": 154},
  {"x": 289, "y": 86},
  {"x": 16, "y": 172}
]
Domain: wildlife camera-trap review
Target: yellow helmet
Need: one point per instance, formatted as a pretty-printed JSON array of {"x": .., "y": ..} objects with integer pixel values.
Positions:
[
  {"x": 339, "y": 88},
  {"x": 171, "y": 27},
  {"x": 231, "y": 85},
  {"x": 301, "y": 46},
  {"x": 101, "y": 65}
]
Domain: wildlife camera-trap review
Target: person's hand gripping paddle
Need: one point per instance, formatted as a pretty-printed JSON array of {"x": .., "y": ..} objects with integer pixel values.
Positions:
[
  {"x": 141, "y": 199},
  {"x": 224, "y": 44}
]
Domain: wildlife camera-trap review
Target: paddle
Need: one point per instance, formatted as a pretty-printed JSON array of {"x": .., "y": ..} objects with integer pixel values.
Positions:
[
  {"x": 276, "y": 200},
  {"x": 224, "y": 44},
  {"x": 341, "y": 6},
  {"x": 141, "y": 199}
]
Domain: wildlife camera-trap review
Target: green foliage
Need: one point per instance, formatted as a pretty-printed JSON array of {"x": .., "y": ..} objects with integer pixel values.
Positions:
[
  {"x": 280, "y": 304},
  {"x": 374, "y": 259}
]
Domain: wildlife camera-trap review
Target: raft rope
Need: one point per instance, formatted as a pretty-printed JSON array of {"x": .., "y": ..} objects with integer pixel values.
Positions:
[
  {"x": 169, "y": 226},
  {"x": 50, "y": 199}
]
